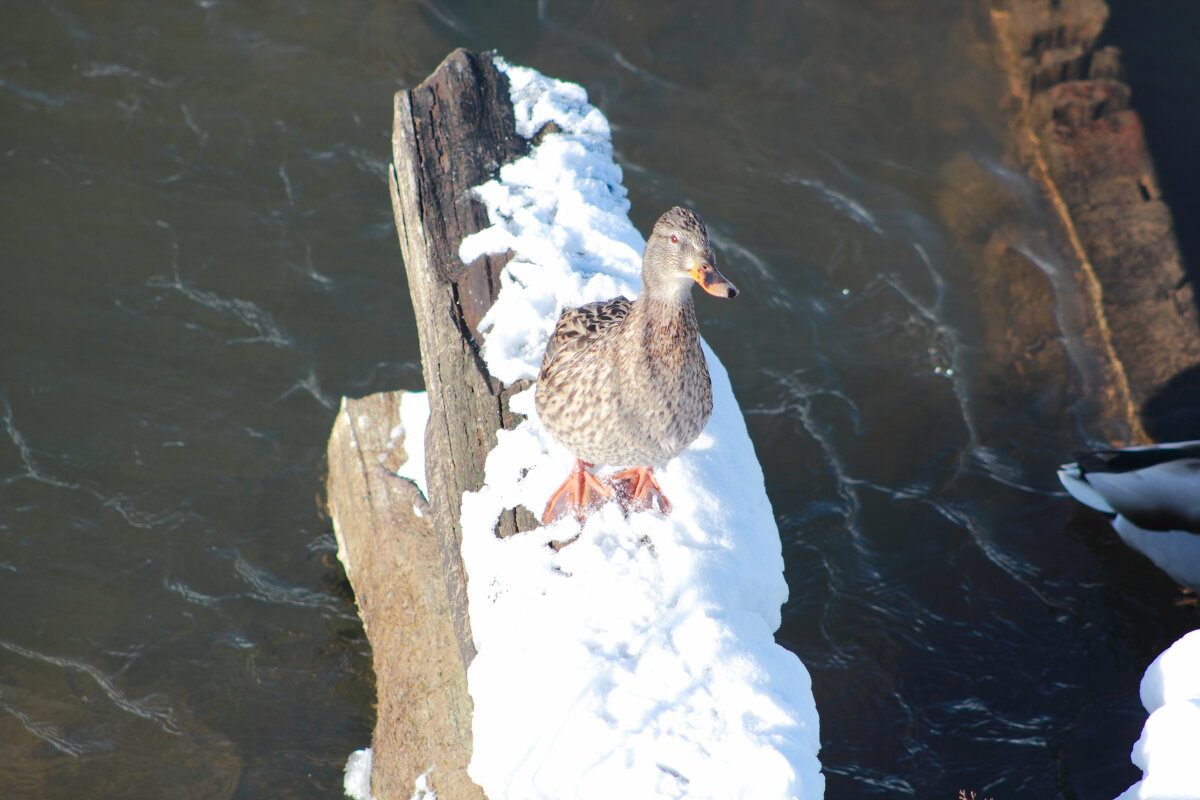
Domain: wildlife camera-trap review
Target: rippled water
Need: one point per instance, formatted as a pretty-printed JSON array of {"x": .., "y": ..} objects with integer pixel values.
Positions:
[{"x": 199, "y": 260}]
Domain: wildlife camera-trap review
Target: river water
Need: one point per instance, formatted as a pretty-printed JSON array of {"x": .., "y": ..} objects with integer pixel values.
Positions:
[{"x": 199, "y": 260}]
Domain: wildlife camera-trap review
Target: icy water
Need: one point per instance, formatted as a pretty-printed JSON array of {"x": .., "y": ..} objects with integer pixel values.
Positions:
[{"x": 199, "y": 260}]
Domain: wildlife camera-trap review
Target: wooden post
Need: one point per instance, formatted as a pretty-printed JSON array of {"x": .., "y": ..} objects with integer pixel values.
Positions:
[{"x": 450, "y": 134}]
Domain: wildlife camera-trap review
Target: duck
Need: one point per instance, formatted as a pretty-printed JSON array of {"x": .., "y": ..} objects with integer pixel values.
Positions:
[
  {"x": 624, "y": 382},
  {"x": 1153, "y": 495}
]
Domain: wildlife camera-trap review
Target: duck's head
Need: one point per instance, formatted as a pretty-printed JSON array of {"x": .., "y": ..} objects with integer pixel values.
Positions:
[{"x": 678, "y": 253}]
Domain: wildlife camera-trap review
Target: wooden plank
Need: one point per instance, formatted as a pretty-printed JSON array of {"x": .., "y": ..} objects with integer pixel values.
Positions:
[{"x": 387, "y": 546}]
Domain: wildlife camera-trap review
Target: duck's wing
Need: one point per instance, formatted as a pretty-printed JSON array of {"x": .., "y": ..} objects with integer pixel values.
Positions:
[
  {"x": 1131, "y": 459},
  {"x": 1174, "y": 552},
  {"x": 1162, "y": 497},
  {"x": 1156, "y": 488},
  {"x": 1073, "y": 481},
  {"x": 577, "y": 328}
]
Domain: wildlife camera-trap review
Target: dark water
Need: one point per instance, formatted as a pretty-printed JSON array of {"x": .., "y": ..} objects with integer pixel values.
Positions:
[{"x": 199, "y": 260}]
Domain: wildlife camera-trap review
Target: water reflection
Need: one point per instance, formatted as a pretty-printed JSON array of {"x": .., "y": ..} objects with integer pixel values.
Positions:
[{"x": 200, "y": 260}]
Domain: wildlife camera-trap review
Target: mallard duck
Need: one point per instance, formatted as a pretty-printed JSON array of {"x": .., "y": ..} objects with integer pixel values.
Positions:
[
  {"x": 1154, "y": 493},
  {"x": 624, "y": 383}
]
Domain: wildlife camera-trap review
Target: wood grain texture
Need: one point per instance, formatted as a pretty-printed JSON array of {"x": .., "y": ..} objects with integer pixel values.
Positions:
[
  {"x": 388, "y": 549},
  {"x": 450, "y": 134},
  {"x": 403, "y": 555}
]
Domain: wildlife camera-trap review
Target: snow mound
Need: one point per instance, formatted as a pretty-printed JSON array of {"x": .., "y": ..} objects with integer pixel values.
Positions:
[
  {"x": 1167, "y": 750},
  {"x": 638, "y": 661},
  {"x": 357, "y": 781}
]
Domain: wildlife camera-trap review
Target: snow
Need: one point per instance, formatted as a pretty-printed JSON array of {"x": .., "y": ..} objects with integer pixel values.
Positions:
[
  {"x": 421, "y": 790},
  {"x": 564, "y": 212},
  {"x": 357, "y": 781},
  {"x": 1167, "y": 752},
  {"x": 414, "y": 413},
  {"x": 639, "y": 660}
]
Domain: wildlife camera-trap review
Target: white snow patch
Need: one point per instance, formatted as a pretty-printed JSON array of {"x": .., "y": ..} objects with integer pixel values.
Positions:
[
  {"x": 638, "y": 661},
  {"x": 1168, "y": 752},
  {"x": 414, "y": 413},
  {"x": 563, "y": 210},
  {"x": 357, "y": 781},
  {"x": 421, "y": 790}
]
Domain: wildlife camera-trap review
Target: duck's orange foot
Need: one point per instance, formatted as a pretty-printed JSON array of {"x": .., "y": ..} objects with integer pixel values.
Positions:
[
  {"x": 579, "y": 494},
  {"x": 637, "y": 490}
]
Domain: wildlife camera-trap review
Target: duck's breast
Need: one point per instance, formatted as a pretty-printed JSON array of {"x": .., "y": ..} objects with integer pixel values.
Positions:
[{"x": 638, "y": 395}]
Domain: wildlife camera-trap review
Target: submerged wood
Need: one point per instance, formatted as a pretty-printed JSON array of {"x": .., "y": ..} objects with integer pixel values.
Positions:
[{"x": 1079, "y": 137}]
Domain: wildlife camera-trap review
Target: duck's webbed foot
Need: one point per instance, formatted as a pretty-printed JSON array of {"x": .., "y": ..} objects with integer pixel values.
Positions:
[
  {"x": 637, "y": 490},
  {"x": 579, "y": 494}
]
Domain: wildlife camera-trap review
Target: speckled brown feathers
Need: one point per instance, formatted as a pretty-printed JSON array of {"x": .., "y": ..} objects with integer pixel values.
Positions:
[
  {"x": 578, "y": 327},
  {"x": 624, "y": 382},
  {"x": 635, "y": 392}
]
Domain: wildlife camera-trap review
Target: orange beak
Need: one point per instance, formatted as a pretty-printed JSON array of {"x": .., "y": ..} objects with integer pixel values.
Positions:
[{"x": 711, "y": 281}]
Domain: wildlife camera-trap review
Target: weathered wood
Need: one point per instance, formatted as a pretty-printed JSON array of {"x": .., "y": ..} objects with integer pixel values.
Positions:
[
  {"x": 450, "y": 134},
  {"x": 1078, "y": 136},
  {"x": 386, "y": 543}
]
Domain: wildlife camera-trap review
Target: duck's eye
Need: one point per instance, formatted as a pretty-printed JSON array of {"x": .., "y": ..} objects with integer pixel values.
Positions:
[{"x": 675, "y": 238}]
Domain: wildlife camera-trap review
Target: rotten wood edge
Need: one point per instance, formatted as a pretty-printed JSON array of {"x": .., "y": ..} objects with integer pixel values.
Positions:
[{"x": 450, "y": 134}]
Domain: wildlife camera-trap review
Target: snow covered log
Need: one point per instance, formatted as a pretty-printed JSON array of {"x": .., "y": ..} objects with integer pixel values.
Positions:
[
  {"x": 638, "y": 662},
  {"x": 387, "y": 547}
]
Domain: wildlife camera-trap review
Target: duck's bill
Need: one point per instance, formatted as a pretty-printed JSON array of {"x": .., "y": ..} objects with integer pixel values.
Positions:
[{"x": 712, "y": 281}]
